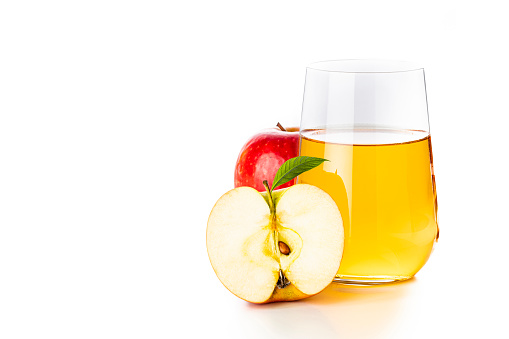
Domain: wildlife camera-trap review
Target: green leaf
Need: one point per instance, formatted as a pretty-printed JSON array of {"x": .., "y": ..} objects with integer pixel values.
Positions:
[{"x": 294, "y": 167}]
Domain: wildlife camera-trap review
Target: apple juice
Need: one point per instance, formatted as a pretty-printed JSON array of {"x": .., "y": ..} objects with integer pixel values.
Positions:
[{"x": 383, "y": 184}]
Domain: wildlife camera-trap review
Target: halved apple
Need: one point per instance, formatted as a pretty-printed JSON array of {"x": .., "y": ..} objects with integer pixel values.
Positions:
[{"x": 286, "y": 245}]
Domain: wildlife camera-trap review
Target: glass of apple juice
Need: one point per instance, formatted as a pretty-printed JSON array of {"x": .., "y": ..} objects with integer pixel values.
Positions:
[{"x": 369, "y": 118}]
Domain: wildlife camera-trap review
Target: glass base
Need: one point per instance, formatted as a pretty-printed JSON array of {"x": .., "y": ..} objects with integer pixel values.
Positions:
[{"x": 368, "y": 281}]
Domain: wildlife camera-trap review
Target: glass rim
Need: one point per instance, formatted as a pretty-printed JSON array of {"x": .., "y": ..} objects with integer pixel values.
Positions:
[{"x": 371, "y": 66}]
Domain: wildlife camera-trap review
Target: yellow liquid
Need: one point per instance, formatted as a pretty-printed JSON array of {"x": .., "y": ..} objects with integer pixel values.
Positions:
[{"x": 383, "y": 184}]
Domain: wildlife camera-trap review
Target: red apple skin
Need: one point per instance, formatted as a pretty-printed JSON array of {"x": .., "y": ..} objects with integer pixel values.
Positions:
[{"x": 263, "y": 154}]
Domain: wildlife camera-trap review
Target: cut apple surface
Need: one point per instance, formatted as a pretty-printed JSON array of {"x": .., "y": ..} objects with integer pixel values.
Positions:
[{"x": 286, "y": 245}]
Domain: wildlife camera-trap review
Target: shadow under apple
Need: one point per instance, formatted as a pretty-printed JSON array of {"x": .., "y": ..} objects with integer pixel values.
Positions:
[{"x": 345, "y": 311}]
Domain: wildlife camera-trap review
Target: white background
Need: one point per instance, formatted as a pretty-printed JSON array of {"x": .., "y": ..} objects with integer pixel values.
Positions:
[{"x": 120, "y": 124}]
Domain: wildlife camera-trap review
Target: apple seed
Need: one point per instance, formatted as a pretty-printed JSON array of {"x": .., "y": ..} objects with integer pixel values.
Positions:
[{"x": 283, "y": 248}]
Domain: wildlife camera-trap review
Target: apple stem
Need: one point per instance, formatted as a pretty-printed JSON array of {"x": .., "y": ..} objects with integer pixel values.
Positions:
[
  {"x": 271, "y": 202},
  {"x": 281, "y": 127}
]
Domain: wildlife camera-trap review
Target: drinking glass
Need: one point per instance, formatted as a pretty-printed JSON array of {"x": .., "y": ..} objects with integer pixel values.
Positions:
[{"x": 369, "y": 118}]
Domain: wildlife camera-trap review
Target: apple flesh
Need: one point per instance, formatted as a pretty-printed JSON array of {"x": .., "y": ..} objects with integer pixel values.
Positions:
[
  {"x": 285, "y": 249},
  {"x": 263, "y": 154}
]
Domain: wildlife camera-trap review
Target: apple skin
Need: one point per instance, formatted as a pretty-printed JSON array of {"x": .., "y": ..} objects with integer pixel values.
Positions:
[
  {"x": 289, "y": 293},
  {"x": 263, "y": 154}
]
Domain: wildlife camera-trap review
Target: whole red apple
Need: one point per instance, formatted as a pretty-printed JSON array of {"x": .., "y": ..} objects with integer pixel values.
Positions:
[{"x": 263, "y": 154}]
